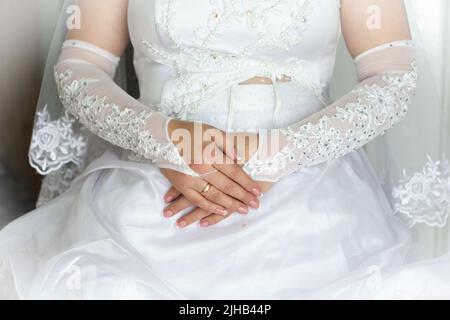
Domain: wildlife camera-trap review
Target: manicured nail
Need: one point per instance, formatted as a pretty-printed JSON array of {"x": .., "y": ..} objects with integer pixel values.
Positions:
[
  {"x": 168, "y": 199},
  {"x": 256, "y": 192},
  {"x": 181, "y": 224},
  {"x": 168, "y": 213},
  {"x": 254, "y": 204},
  {"x": 204, "y": 224},
  {"x": 221, "y": 212},
  {"x": 243, "y": 210}
]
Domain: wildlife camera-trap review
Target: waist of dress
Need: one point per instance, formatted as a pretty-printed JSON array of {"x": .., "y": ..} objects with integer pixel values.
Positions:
[{"x": 199, "y": 74}]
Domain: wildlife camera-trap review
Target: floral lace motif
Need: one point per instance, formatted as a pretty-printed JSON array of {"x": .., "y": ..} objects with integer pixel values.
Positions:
[
  {"x": 256, "y": 15},
  {"x": 425, "y": 196},
  {"x": 225, "y": 70},
  {"x": 55, "y": 144},
  {"x": 118, "y": 125},
  {"x": 57, "y": 182},
  {"x": 193, "y": 84},
  {"x": 375, "y": 109}
]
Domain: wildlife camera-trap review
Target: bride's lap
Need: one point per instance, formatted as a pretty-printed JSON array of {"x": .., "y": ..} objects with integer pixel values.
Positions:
[
  {"x": 335, "y": 209},
  {"x": 313, "y": 226}
]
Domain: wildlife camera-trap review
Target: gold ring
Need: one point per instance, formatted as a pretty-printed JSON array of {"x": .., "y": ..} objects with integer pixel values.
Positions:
[{"x": 206, "y": 189}]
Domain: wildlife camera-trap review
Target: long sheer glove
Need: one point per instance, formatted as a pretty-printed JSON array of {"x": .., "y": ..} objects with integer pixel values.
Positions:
[
  {"x": 84, "y": 76},
  {"x": 387, "y": 76}
]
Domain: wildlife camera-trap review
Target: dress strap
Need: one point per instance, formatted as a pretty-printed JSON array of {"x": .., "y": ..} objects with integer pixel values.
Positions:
[{"x": 278, "y": 102}]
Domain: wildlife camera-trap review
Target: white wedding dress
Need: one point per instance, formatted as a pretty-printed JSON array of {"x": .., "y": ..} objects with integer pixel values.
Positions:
[{"x": 326, "y": 231}]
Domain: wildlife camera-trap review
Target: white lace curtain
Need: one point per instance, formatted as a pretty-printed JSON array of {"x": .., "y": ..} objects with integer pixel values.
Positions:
[
  {"x": 419, "y": 148},
  {"x": 434, "y": 23}
]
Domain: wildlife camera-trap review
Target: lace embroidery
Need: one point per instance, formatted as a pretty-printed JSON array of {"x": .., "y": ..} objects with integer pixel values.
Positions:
[
  {"x": 56, "y": 183},
  {"x": 375, "y": 108},
  {"x": 120, "y": 126},
  {"x": 256, "y": 15},
  {"x": 54, "y": 143},
  {"x": 425, "y": 196},
  {"x": 193, "y": 84},
  {"x": 225, "y": 70}
]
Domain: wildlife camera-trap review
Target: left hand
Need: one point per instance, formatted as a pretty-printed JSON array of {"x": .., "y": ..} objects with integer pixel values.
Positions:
[
  {"x": 178, "y": 202},
  {"x": 220, "y": 190}
]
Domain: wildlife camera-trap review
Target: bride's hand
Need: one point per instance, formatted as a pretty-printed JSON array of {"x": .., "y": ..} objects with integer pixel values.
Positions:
[
  {"x": 223, "y": 197},
  {"x": 223, "y": 187},
  {"x": 204, "y": 217},
  {"x": 201, "y": 144},
  {"x": 231, "y": 189}
]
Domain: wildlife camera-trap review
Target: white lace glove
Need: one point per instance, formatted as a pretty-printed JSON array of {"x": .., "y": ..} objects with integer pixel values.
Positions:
[
  {"x": 84, "y": 76},
  {"x": 387, "y": 78}
]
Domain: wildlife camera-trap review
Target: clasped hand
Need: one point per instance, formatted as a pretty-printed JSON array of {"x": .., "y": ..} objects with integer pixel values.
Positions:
[{"x": 222, "y": 188}]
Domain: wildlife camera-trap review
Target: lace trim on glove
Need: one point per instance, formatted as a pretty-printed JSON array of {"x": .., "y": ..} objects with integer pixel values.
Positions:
[
  {"x": 375, "y": 107},
  {"x": 120, "y": 126}
]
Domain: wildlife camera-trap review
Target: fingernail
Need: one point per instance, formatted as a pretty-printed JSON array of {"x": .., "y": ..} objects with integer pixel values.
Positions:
[
  {"x": 254, "y": 204},
  {"x": 168, "y": 213},
  {"x": 181, "y": 224},
  {"x": 256, "y": 192},
  {"x": 204, "y": 224},
  {"x": 168, "y": 199},
  {"x": 243, "y": 210},
  {"x": 221, "y": 212}
]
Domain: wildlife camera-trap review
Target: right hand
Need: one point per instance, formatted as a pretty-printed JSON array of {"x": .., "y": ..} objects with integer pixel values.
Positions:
[
  {"x": 213, "y": 155},
  {"x": 201, "y": 144},
  {"x": 178, "y": 201},
  {"x": 207, "y": 149},
  {"x": 224, "y": 197}
]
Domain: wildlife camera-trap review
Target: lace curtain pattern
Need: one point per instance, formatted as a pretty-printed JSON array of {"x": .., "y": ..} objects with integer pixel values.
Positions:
[
  {"x": 419, "y": 150},
  {"x": 424, "y": 197}
]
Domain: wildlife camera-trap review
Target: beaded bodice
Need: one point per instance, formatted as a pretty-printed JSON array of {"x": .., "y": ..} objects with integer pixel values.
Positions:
[{"x": 185, "y": 54}]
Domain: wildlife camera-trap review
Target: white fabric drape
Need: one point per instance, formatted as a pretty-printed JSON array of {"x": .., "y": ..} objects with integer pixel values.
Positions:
[
  {"x": 419, "y": 148},
  {"x": 412, "y": 159},
  {"x": 407, "y": 158}
]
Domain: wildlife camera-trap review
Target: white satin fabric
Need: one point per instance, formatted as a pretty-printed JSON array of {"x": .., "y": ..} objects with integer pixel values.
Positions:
[
  {"x": 324, "y": 232},
  {"x": 180, "y": 60}
]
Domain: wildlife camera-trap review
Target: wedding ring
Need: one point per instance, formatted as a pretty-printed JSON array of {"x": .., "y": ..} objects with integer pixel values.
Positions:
[{"x": 206, "y": 189}]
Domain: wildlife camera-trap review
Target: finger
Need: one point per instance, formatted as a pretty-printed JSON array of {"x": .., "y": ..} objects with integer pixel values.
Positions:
[
  {"x": 235, "y": 173},
  {"x": 171, "y": 195},
  {"x": 196, "y": 215},
  {"x": 232, "y": 205},
  {"x": 176, "y": 207},
  {"x": 231, "y": 188},
  {"x": 224, "y": 143},
  {"x": 199, "y": 201},
  {"x": 211, "y": 220}
]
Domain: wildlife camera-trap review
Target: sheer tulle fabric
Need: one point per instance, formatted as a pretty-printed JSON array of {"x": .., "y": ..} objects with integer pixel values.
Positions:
[
  {"x": 326, "y": 231},
  {"x": 84, "y": 77},
  {"x": 388, "y": 79}
]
